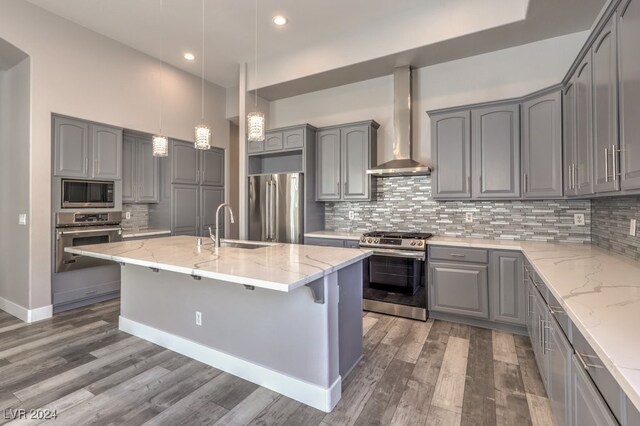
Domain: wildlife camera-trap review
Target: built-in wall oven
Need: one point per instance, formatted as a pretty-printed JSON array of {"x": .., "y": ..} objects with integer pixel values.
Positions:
[
  {"x": 395, "y": 275},
  {"x": 80, "y": 229},
  {"x": 87, "y": 194}
]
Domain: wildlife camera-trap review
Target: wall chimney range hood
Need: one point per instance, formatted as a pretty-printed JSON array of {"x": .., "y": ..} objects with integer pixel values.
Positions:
[{"x": 402, "y": 163}]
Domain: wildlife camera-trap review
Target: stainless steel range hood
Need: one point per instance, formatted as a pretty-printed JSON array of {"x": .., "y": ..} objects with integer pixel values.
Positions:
[{"x": 402, "y": 163}]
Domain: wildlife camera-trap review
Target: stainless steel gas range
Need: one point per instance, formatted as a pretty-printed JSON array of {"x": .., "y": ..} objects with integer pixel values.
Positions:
[{"x": 395, "y": 276}]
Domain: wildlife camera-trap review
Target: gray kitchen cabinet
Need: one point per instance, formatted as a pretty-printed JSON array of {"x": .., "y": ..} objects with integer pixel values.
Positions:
[
  {"x": 212, "y": 167},
  {"x": 531, "y": 311},
  {"x": 629, "y": 90},
  {"x": 605, "y": 110},
  {"x": 344, "y": 154},
  {"x": 542, "y": 146},
  {"x": 495, "y": 148},
  {"x": 184, "y": 163},
  {"x": 584, "y": 131},
  {"x": 140, "y": 170},
  {"x": 273, "y": 142},
  {"x": 328, "y": 168},
  {"x": 458, "y": 288},
  {"x": 355, "y": 163},
  {"x": 559, "y": 352},
  {"x": 451, "y": 154},
  {"x": 210, "y": 199},
  {"x": 185, "y": 218},
  {"x": 538, "y": 339},
  {"x": 587, "y": 406},
  {"x": 71, "y": 142},
  {"x": 324, "y": 242},
  {"x": 255, "y": 146},
  {"x": 293, "y": 138},
  {"x": 569, "y": 137},
  {"x": 106, "y": 146},
  {"x": 508, "y": 293}
]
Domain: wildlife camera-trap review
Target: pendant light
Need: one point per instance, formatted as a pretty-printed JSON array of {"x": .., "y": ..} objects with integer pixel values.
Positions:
[
  {"x": 255, "y": 120},
  {"x": 203, "y": 133},
  {"x": 160, "y": 143}
]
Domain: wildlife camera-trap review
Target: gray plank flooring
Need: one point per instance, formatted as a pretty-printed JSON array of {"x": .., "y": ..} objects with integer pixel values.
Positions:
[{"x": 413, "y": 373}]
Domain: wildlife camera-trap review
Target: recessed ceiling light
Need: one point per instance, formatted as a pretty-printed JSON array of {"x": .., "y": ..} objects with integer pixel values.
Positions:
[
  {"x": 189, "y": 56},
  {"x": 279, "y": 20}
]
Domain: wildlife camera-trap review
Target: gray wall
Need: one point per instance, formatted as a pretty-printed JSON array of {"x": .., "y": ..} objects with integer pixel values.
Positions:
[
  {"x": 610, "y": 226},
  {"x": 405, "y": 204},
  {"x": 15, "y": 113}
]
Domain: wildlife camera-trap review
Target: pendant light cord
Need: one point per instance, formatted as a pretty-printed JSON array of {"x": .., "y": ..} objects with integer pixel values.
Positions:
[
  {"x": 161, "y": 64},
  {"x": 202, "y": 62},
  {"x": 256, "y": 60}
]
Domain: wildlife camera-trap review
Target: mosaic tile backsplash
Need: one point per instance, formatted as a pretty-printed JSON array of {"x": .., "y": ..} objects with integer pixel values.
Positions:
[
  {"x": 139, "y": 217},
  {"x": 406, "y": 204},
  {"x": 610, "y": 228}
]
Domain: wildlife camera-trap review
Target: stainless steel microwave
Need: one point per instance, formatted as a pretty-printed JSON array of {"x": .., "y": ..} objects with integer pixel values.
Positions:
[{"x": 87, "y": 194}]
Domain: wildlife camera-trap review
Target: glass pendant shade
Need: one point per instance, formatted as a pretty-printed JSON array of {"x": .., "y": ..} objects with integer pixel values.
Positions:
[
  {"x": 255, "y": 126},
  {"x": 160, "y": 146},
  {"x": 203, "y": 137}
]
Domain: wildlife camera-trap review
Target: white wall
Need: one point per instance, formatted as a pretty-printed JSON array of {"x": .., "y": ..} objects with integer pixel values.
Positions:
[
  {"x": 14, "y": 182},
  {"x": 79, "y": 73},
  {"x": 497, "y": 75}
]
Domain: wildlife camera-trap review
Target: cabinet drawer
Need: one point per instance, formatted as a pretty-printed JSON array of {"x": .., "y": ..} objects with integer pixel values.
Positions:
[
  {"x": 604, "y": 381},
  {"x": 327, "y": 242},
  {"x": 459, "y": 254},
  {"x": 85, "y": 293}
]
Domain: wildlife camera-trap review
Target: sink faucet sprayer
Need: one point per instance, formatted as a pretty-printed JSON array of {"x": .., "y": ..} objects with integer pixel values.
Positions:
[{"x": 216, "y": 238}]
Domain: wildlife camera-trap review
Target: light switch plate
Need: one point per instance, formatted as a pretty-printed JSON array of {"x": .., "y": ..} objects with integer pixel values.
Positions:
[
  {"x": 198, "y": 318},
  {"x": 578, "y": 219},
  {"x": 352, "y": 214},
  {"x": 468, "y": 217},
  {"x": 127, "y": 215},
  {"x": 633, "y": 226},
  {"x": 22, "y": 219}
]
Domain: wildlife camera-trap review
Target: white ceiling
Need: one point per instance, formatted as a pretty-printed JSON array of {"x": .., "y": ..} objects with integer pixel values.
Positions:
[{"x": 350, "y": 39}]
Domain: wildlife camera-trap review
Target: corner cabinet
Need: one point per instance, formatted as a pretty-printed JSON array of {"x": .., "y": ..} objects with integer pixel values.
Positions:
[
  {"x": 542, "y": 146},
  {"x": 86, "y": 150},
  {"x": 343, "y": 155},
  {"x": 495, "y": 146},
  {"x": 451, "y": 148},
  {"x": 140, "y": 172}
]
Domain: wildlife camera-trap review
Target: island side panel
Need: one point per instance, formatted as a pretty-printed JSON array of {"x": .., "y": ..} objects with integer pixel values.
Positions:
[{"x": 350, "y": 317}]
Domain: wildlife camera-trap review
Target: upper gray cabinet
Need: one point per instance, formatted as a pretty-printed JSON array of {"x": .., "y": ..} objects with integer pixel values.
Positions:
[
  {"x": 495, "y": 148},
  {"x": 273, "y": 141},
  {"x": 629, "y": 89},
  {"x": 451, "y": 155},
  {"x": 569, "y": 137},
  {"x": 140, "y": 172},
  {"x": 184, "y": 163},
  {"x": 605, "y": 110},
  {"x": 508, "y": 292},
  {"x": 86, "y": 150},
  {"x": 279, "y": 140},
  {"x": 343, "y": 156},
  {"x": 584, "y": 131},
  {"x": 212, "y": 167},
  {"x": 542, "y": 146},
  {"x": 293, "y": 138}
]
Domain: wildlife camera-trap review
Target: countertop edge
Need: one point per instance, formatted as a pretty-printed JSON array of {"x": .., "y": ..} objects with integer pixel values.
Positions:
[
  {"x": 332, "y": 235},
  {"x": 144, "y": 233}
]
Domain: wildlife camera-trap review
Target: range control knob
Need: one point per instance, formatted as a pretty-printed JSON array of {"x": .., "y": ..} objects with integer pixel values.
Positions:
[
  {"x": 376, "y": 241},
  {"x": 420, "y": 243},
  {"x": 369, "y": 240},
  {"x": 363, "y": 239},
  {"x": 413, "y": 243}
]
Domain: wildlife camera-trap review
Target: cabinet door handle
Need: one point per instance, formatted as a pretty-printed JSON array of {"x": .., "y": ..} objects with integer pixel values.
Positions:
[
  {"x": 480, "y": 180},
  {"x": 86, "y": 165},
  {"x": 572, "y": 182},
  {"x": 614, "y": 159},
  {"x": 606, "y": 164},
  {"x": 469, "y": 183},
  {"x": 526, "y": 182},
  {"x": 576, "y": 181},
  {"x": 338, "y": 188},
  {"x": 586, "y": 365},
  {"x": 529, "y": 311},
  {"x": 457, "y": 255}
]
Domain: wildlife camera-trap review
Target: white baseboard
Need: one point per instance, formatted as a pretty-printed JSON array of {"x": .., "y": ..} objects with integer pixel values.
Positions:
[
  {"x": 324, "y": 399},
  {"x": 24, "y": 314}
]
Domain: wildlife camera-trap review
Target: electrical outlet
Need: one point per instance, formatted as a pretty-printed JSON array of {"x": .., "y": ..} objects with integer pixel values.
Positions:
[
  {"x": 352, "y": 215},
  {"x": 468, "y": 217},
  {"x": 127, "y": 215},
  {"x": 198, "y": 318},
  {"x": 578, "y": 219},
  {"x": 22, "y": 219},
  {"x": 633, "y": 226}
]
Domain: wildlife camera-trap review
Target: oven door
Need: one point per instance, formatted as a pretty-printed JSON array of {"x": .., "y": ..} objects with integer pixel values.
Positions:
[
  {"x": 87, "y": 194},
  {"x": 73, "y": 237},
  {"x": 396, "y": 271}
]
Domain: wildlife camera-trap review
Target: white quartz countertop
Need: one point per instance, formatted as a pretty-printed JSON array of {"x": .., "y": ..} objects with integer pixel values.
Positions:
[
  {"x": 600, "y": 292},
  {"x": 281, "y": 267},
  {"x": 131, "y": 233},
  {"x": 335, "y": 235}
]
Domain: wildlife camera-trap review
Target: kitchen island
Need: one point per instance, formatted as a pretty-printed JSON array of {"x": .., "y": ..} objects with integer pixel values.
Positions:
[{"x": 287, "y": 317}]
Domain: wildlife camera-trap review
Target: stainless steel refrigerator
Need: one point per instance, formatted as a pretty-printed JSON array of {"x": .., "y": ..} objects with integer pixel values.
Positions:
[{"x": 276, "y": 204}]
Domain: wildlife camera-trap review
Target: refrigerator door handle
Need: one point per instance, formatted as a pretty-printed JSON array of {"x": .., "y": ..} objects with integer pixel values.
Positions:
[
  {"x": 272, "y": 224},
  {"x": 267, "y": 218}
]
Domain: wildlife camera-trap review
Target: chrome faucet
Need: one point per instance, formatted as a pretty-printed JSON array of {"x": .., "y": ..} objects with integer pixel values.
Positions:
[{"x": 216, "y": 237}]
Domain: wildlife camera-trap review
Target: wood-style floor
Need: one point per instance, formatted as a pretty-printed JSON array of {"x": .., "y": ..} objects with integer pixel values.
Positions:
[{"x": 79, "y": 364}]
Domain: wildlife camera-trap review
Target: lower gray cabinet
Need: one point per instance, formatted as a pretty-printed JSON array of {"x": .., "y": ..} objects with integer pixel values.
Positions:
[
  {"x": 210, "y": 198},
  {"x": 184, "y": 206},
  {"x": 506, "y": 275},
  {"x": 558, "y": 389},
  {"x": 459, "y": 289},
  {"x": 587, "y": 406}
]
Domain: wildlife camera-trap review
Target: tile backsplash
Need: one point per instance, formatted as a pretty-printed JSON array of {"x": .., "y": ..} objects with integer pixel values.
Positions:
[
  {"x": 139, "y": 216},
  {"x": 610, "y": 225},
  {"x": 406, "y": 204}
]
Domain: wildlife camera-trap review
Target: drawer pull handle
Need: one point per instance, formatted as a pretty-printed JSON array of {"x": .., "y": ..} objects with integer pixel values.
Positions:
[
  {"x": 90, "y": 292},
  {"x": 586, "y": 365},
  {"x": 457, "y": 255}
]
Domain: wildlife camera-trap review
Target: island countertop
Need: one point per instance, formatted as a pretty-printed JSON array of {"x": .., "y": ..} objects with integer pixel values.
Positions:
[{"x": 281, "y": 267}]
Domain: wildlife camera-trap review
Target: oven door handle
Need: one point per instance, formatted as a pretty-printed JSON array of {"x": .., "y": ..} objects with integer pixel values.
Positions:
[
  {"x": 89, "y": 231},
  {"x": 419, "y": 255}
]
